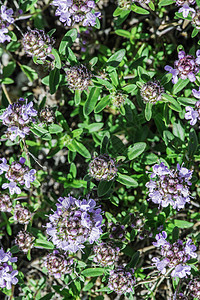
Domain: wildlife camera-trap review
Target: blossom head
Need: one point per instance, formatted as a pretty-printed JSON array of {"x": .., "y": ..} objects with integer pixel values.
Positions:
[
  {"x": 194, "y": 288},
  {"x": 72, "y": 11},
  {"x": 5, "y": 20},
  {"x": 103, "y": 167},
  {"x": 37, "y": 44},
  {"x": 18, "y": 117},
  {"x": 47, "y": 115},
  {"x": 24, "y": 240},
  {"x": 58, "y": 264},
  {"x": 187, "y": 66},
  {"x": 174, "y": 256},
  {"x": 169, "y": 187},
  {"x": 73, "y": 223},
  {"x": 121, "y": 280},
  {"x": 5, "y": 203},
  {"x": 118, "y": 98},
  {"x": 21, "y": 214},
  {"x": 106, "y": 254},
  {"x": 7, "y": 274},
  {"x": 151, "y": 92},
  {"x": 78, "y": 77}
]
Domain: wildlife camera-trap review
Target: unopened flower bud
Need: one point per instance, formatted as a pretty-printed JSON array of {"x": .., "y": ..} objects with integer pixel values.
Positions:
[
  {"x": 118, "y": 98},
  {"x": 78, "y": 77},
  {"x": 47, "y": 115},
  {"x": 151, "y": 92},
  {"x": 24, "y": 240},
  {"x": 103, "y": 167},
  {"x": 5, "y": 203}
]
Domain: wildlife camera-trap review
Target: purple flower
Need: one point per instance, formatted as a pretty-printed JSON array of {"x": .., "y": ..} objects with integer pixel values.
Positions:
[
  {"x": 29, "y": 177},
  {"x": 187, "y": 66},
  {"x": 17, "y": 117},
  {"x": 71, "y": 11},
  {"x": 5, "y": 20},
  {"x": 13, "y": 188},
  {"x": 7, "y": 275},
  {"x": 185, "y": 9},
  {"x": 193, "y": 114},
  {"x": 121, "y": 280},
  {"x": 3, "y": 166},
  {"x": 169, "y": 187},
  {"x": 174, "y": 256},
  {"x": 73, "y": 223}
]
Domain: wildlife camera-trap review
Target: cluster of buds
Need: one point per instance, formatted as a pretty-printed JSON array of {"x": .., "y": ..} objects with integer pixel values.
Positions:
[
  {"x": 169, "y": 187},
  {"x": 73, "y": 223},
  {"x": 117, "y": 231},
  {"x": 196, "y": 19},
  {"x": 118, "y": 98},
  {"x": 5, "y": 20},
  {"x": 175, "y": 256},
  {"x": 185, "y": 8},
  {"x": 106, "y": 254},
  {"x": 193, "y": 114},
  {"x": 21, "y": 214},
  {"x": 103, "y": 167},
  {"x": 78, "y": 77},
  {"x": 7, "y": 274},
  {"x": 16, "y": 173},
  {"x": 121, "y": 280},
  {"x": 5, "y": 203},
  {"x": 24, "y": 240},
  {"x": 152, "y": 91},
  {"x": 58, "y": 264},
  {"x": 73, "y": 11},
  {"x": 38, "y": 44},
  {"x": 18, "y": 117},
  {"x": 187, "y": 66},
  {"x": 194, "y": 288},
  {"x": 47, "y": 115}
]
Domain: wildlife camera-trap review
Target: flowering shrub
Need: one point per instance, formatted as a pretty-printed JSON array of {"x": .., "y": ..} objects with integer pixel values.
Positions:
[{"x": 99, "y": 156}]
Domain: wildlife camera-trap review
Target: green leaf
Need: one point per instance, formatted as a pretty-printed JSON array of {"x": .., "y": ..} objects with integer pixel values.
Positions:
[
  {"x": 41, "y": 132},
  {"x": 81, "y": 149},
  {"x": 175, "y": 234},
  {"x": 77, "y": 97},
  {"x": 186, "y": 101},
  {"x": 54, "y": 78},
  {"x": 9, "y": 69},
  {"x": 148, "y": 111},
  {"x": 54, "y": 128},
  {"x": 139, "y": 10},
  {"x": 166, "y": 2},
  {"x": 193, "y": 143},
  {"x": 181, "y": 84},
  {"x": 134, "y": 260},
  {"x": 122, "y": 32},
  {"x": 93, "y": 272},
  {"x": 102, "y": 104},
  {"x": 136, "y": 150},
  {"x": 29, "y": 72},
  {"x": 27, "y": 5},
  {"x": 183, "y": 224},
  {"x": 195, "y": 31},
  {"x": 118, "y": 11},
  {"x": 115, "y": 60},
  {"x": 173, "y": 103},
  {"x": 13, "y": 46},
  {"x": 126, "y": 180},
  {"x": 57, "y": 58},
  {"x": 91, "y": 100},
  {"x": 67, "y": 40},
  {"x": 43, "y": 243},
  {"x": 104, "y": 187}
]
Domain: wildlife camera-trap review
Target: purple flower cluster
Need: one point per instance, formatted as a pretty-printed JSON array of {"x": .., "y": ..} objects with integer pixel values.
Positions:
[
  {"x": 175, "y": 256},
  {"x": 187, "y": 66},
  {"x": 193, "y": 114},
  {"x": 106, "y": 254},
  {"x": 17, "y": 118},
  {"x": 73, "y": 11},
  {"x": 185, "y": 9},
  {"x": 16, "y": 173},
  {"x": 169, "y": 187},
  {"x": 194, "y": 288},
  {"x": 7, "y": 274},
  {"x": 121, "y": 280},
  {"x": 5, "y": 203},
  {"x": 21, "y": 214},
  {"x": 73, "y": 223},
  {"x": 5, "y": 20}
]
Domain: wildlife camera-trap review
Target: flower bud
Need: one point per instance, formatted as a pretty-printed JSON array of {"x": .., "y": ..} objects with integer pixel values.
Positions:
[
  {"x": 103, "y": 167},
  {"x": 5, "y": 203},
  {"x": 24, "y": 240},
  {"x": 21, "y": 214},
  {"x": 121, "y": 281},
  {"x": 78, "y": 77},
  {"x": 47, "y": 115},
  {"x": 118, "y": 99},
  {"x": 151, "y": 92},
  {"x": 106, "y": 254}
]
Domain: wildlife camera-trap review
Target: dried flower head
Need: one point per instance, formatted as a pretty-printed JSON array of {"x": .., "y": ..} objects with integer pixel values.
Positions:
[
  {"x": 24, "y": 240},
  {"x": 18, "y": 117},
  {"x": 5, "y": 203},
  {"x": 78, "y": 77},
  {"x": 58, "y": 264},
  {"x": 47, "y": 115},
  {"x": 121, "y": 280},
  {"x": 5, "y": 20},
  {"x": 106, "y": 254},
  {"x": 103, "y": 167},
  {"x": 169, "y": 187},
  {"x": 18, "y": 174},
  {"x": 118, "y": 98},
  {"x": 73, "y": 11},
  {"x": 21, "y": 214},
  {"x": 73, "y": 223},
  {"x": 187, "y": 66},
  {"x": 174, "y": 256},
  {"x": 152, "y": 91},
  {"x": 7, "y": 274},
  {"x": 38, "y": 44}
]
